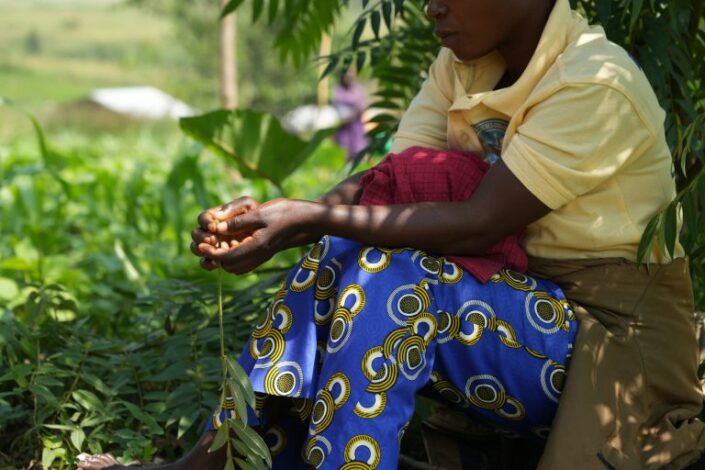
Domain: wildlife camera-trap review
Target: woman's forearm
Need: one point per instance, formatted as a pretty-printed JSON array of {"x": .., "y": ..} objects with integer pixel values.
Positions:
[
  {"x": 346, "y": 192},
  {"x": 436, "y": 227}
]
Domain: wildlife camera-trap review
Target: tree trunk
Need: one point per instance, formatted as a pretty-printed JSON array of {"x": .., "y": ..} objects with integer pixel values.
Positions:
[
  {"x": 228, "y": 61},
  {"x": 323, "y": 85}
]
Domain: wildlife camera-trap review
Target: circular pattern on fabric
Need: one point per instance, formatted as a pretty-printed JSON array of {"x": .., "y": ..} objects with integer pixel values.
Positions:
[
  {"x": 542, "y": 432},
  {"x": 485, "y": 391},
  {"x": 317, "y": 252},
  {"x": 269, "y": 349},
  {"x": 451, "y": 273},
  {"x": 379, "y": 402},
  {"x": 340, "y": 329},
  {"x": 507, "y": 335},
  {"x": 323, "y": 411},
  {"x": 373, "y": 260},
  {"x": 353, "y": 299},
  {"x": 303, "y": 279},
  {"x": 382, "y": 372},
  {"x": 275, "y": 438},
  {"x": 221, "y": 415},
  {"x": 515, "y": 280},
  {"x": 339, "y": 387},
  {"x": 282, "y": 314},
  {"x": 512, "y": 410},
  {"x": 431, "y": 265},
  {"x": 363, "y": 448},
  {"x": 303, "y": 408},
  {"x": 284, "y": 379},
  {"x": 545, "y": 313},
  {"x": 410, "y": 356},
  {"x": 355, "y": 466},
  {"x": 317, "y": 449},
  {"x": 392, "y": 340},
  {"x": 263, "y": 328},
  {"x": 425, "y": 326},
  {"x": 553, "y": 377},
  {"x": 409, "y": 305},
  {"x": 326, "y": 283},
  {"x": 408, "y": 301},
  {"x": 447, "y": 391},
  {"x": 474, "y": 316},
  {"x": 448, "y": 327},
  {"x": 323, "y": 310}
]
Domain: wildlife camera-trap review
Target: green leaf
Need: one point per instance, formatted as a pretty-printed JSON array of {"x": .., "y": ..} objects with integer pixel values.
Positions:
[
  {"x": 8, "y": 289},
  {"x": 243, "y": 465},
  {"x": 359, "y": 28},
  {"x": 143, "y": 417},
  {"x": 221, "y": 437},
  {"x": 647, "y": 240},
  {"x": 49, "y": 455},
  {"x": 636, "y": 7},
  {"x": 253, "y": 440},
  {"x": 257, "y": 7},
  {"x": 237, "y": 396},
  {"x": 332, "y": 64},
  {"x": 604, "y": 10},
  {"x": 87, "y": 400},
  {"x": 360, "y": 60},
  {"x": 230, "y": 7},
  {"x": 387, "y": 14},
  {"x": 44, "y": 393},
  {"x": 375, "y": 22},
  {"x": 78, "y": 437},
  {"x": 255, "y": 141},
  {"x": 272, "y": 9},
  {"x": 670, "y": 229},
  {"x": 240, "y": 376}
]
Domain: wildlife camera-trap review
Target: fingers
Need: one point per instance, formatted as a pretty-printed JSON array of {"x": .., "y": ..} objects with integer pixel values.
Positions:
[
  {"x": 244, "y": 223},
  {"x": 198, "y": 235},
  {"x": 208, "y": 264},
  {"x": 208, "y": 219}
]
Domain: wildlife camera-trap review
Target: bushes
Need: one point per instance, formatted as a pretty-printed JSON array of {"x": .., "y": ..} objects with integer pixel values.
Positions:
[{"x": 108, "y": 327}]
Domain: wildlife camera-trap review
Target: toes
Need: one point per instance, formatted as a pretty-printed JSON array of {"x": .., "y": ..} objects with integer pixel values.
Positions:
[{"x": 96, "y": 462}]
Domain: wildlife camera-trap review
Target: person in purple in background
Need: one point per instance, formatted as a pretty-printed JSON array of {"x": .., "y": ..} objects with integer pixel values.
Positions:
[{"x": 349, "y": 100}]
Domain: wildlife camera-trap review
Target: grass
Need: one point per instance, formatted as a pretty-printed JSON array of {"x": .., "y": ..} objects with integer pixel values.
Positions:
[{"x": 52, "y": 50}]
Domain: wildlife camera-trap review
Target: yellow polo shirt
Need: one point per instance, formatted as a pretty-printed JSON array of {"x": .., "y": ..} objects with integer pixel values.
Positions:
[{"x": 581, "y": 129}]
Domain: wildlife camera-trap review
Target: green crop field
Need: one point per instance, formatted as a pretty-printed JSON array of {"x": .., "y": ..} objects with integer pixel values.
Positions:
[{"x": 59, "y": 50}]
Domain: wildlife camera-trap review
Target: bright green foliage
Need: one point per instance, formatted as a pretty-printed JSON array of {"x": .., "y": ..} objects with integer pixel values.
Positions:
[
  {"x": 108, "y": 327},
  {"x": 256, "y": 142}
]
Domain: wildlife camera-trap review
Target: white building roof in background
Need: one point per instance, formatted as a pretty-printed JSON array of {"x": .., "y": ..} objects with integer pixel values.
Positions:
[{"x": 144, "y": 102}]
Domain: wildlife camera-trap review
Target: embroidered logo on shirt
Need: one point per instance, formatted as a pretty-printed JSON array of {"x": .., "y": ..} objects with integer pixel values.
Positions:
[{"x": 491, "y": 133}]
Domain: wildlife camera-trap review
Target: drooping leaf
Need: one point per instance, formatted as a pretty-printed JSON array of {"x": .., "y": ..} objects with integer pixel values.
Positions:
[{"x": 255, "y": 141}]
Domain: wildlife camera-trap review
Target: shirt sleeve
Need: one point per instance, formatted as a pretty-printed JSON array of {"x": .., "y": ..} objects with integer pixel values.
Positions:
[
  {"x": 575, "y": 139},
  {"x": 425, "y": 122}
]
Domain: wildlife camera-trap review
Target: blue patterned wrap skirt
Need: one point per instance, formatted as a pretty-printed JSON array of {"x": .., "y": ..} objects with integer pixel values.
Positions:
[{"x": 356, "y": 331}]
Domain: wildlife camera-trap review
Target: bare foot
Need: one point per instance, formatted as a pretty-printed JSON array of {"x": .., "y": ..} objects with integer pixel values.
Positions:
[
  {"x": 98, "y": 462},
  {"x": 199, "y": 458}
]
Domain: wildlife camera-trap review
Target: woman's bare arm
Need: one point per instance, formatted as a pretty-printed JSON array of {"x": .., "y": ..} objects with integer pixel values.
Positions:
[{"x": 500, "y": 206}]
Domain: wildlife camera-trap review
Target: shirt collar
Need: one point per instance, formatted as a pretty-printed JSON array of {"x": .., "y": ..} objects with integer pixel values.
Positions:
[{"x": 555, "y": 38}]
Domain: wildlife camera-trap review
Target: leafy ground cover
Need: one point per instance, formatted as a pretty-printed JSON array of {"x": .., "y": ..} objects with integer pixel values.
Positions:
[{"x": 108, "y": 328}]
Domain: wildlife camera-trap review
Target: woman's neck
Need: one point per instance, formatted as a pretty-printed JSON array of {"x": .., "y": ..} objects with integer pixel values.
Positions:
[{"x": 521, "y": 46}]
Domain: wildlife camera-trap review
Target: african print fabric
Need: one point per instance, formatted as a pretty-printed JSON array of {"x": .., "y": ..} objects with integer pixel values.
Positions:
[{"x": 356, "y": 331}]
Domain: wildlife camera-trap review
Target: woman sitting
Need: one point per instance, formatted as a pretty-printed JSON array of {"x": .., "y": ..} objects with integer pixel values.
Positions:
[{"x": 575, "y": 137}]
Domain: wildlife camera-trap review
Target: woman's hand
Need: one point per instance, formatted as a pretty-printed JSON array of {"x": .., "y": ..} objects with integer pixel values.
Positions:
[{"x": 243, "y": 234}]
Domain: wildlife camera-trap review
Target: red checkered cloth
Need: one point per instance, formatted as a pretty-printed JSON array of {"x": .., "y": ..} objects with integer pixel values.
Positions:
[{"x": 424, "y": 175}]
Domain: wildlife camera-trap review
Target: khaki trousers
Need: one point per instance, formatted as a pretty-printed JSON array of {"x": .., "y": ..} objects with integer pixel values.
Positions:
[{"x": 632, "y": 394}]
